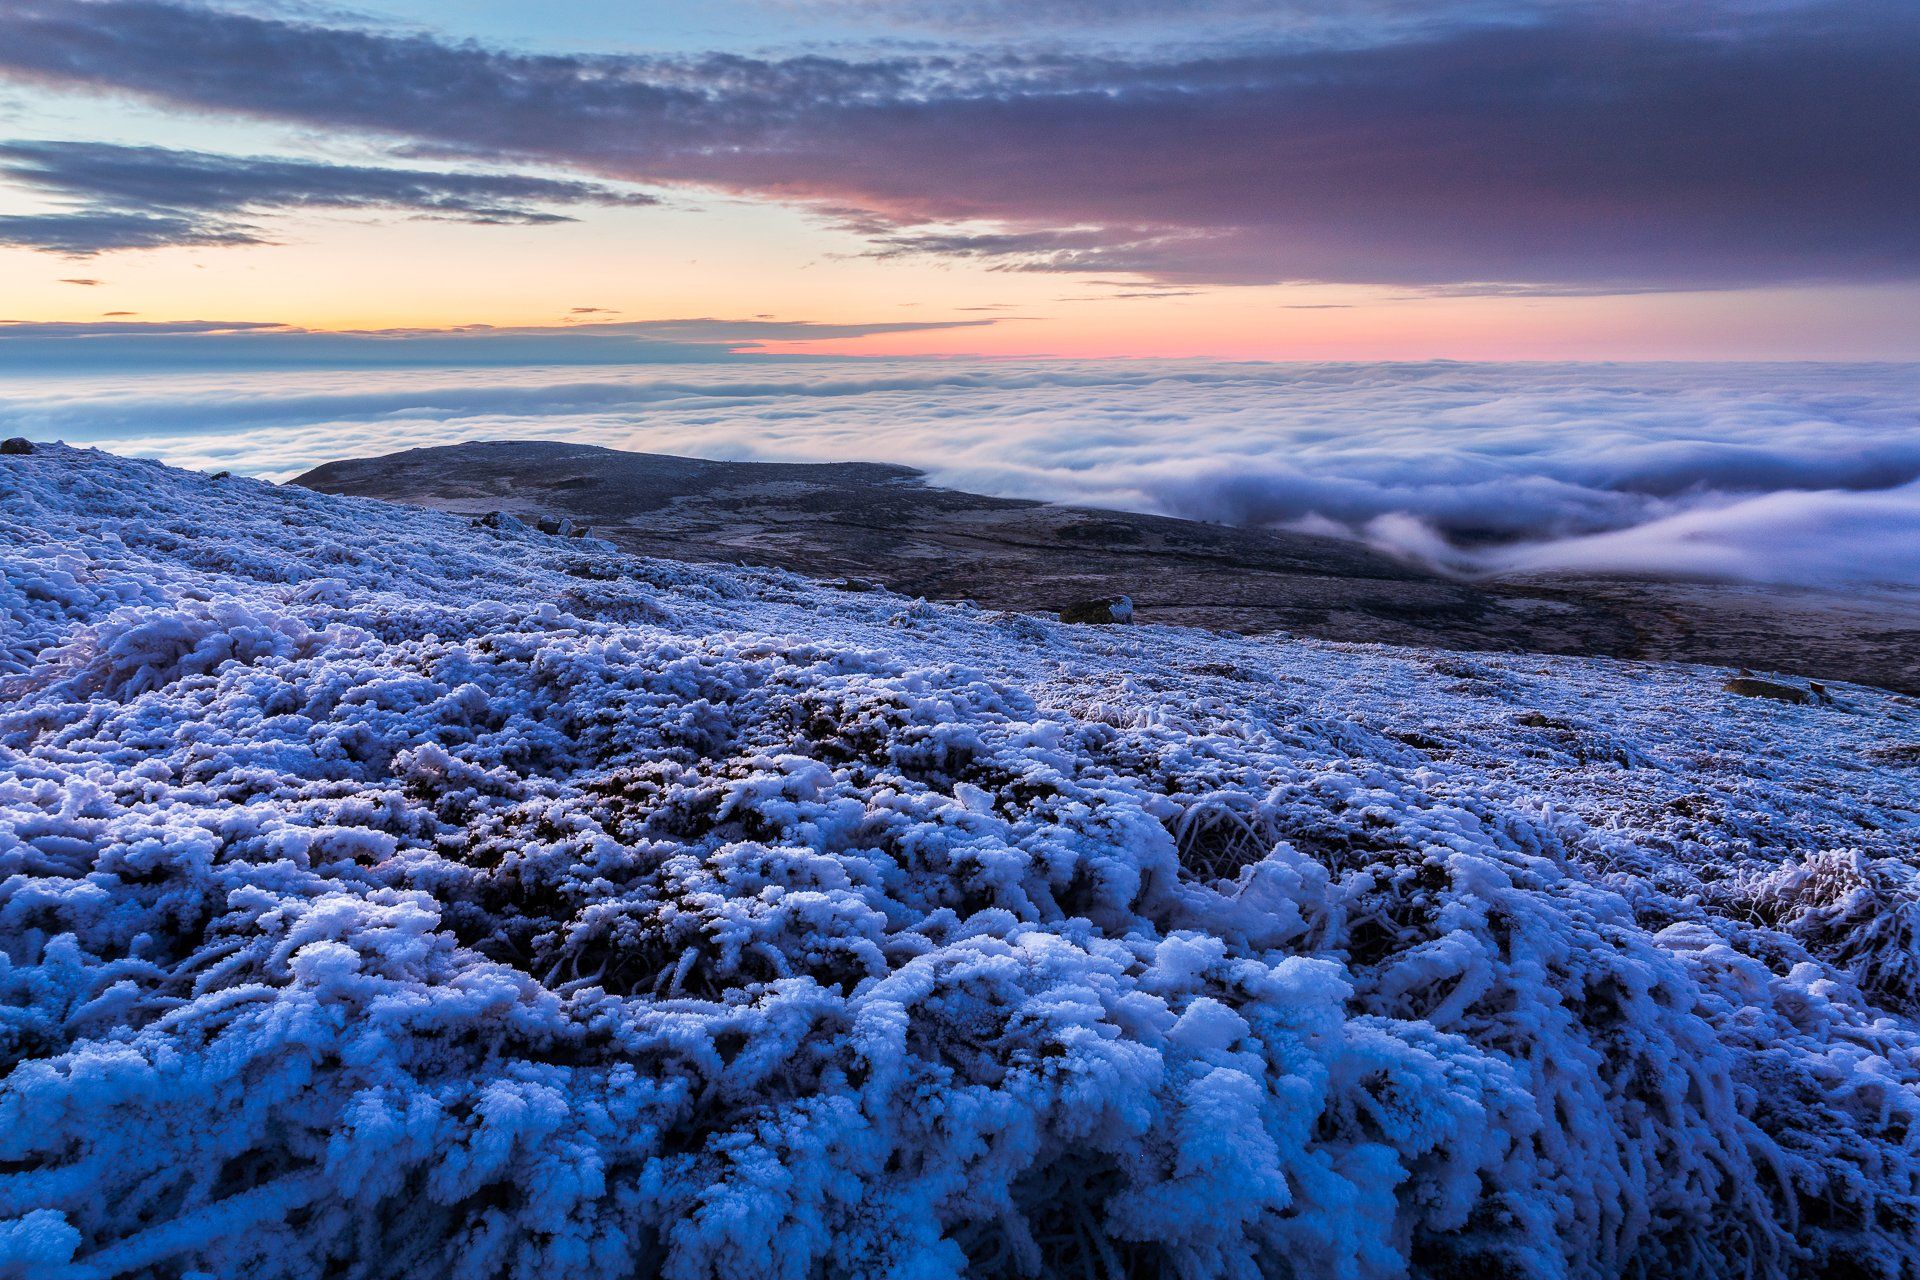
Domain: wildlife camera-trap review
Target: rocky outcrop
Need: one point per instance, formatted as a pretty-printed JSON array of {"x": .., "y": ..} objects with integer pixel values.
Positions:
[
  {"x": 1755, "y": 687},
  {"x": 1116, "y": 609}
]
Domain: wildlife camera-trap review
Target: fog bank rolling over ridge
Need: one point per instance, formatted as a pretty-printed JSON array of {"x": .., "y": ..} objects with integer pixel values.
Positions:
[{"x": 1796, "y": 474}]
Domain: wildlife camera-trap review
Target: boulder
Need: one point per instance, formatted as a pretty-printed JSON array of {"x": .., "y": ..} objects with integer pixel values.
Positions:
[
  {"x": 1101, "y": 533},
  {"x": 1116, "y": 609},
  {"x": 1755, "y": 687},
  {"x": 16, "y": 444}
]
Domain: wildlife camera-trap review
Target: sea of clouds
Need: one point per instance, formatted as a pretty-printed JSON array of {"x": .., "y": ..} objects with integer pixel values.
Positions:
[{"x": 1774, "y": 473}]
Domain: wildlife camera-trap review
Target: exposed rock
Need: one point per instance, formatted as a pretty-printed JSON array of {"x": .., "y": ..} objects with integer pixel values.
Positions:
[
  {"x": 1118, "y": 609},
  {"x": 1897, "y": 753},
  {"x": 16, "y": 444},
  {"x": 1755, "y": 687}
]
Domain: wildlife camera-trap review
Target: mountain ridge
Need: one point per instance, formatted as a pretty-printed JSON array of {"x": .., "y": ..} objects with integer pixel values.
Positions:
[{"x": 884, "y": 523}]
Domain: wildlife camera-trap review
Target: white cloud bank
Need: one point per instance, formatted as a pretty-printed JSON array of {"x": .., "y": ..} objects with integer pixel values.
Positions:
[
  {"x": 1792, "y": 474},
  {"x": 1793, "y": 537}
]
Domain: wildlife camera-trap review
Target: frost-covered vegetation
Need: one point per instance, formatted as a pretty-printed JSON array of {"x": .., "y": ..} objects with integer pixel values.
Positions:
[{"x": 383, "y": 896}]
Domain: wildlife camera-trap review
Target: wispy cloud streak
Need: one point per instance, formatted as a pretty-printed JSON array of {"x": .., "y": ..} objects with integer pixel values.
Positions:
[
  {"x": 106, "y": 346},
  {"x": 148, "y": 197}
]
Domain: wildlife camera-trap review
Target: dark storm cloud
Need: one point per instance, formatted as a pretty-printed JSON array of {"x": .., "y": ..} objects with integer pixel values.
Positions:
[
  {"x": 1564, "y": 148},
  {"x": 148, "y": 197}
]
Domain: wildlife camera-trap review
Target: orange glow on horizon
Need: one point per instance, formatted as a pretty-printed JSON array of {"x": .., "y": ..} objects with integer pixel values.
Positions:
[{"x": 340, "y": 274}]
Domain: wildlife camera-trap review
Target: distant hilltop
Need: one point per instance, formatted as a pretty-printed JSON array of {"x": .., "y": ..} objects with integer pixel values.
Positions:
[{"x": 882, "y": 524}]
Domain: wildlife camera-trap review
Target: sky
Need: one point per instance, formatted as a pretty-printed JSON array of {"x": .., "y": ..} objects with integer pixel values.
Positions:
[{"x": 487, "y": 182}]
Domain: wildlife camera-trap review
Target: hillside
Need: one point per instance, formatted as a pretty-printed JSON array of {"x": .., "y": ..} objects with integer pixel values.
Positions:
[
  {"x": 385, "y": 895},
  {"x": 884, "y": 524}
]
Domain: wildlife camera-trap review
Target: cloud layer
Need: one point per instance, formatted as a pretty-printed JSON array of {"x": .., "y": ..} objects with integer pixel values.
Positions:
[
  {"x": 1778, "y": 473},
  {"x": 148, "y": 197},
  {"x": 1560, "y": 147},
  {"x": 109, "y": 346}
]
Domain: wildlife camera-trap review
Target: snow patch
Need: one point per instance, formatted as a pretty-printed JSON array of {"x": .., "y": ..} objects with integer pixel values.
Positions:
[{"x": 371, "y": 897}]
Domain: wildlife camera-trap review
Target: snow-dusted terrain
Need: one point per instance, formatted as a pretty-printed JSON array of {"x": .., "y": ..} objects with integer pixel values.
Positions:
[{"x": 386, "y": 896}]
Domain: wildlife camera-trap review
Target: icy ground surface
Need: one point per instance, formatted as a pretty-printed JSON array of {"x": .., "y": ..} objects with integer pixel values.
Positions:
[{"x": 382, "y": 896}]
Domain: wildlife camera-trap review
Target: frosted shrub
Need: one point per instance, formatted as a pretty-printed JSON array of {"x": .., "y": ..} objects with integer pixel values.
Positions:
[
  {"x": 1860, "y": 914},
  {"x": 376, "y": 900}
]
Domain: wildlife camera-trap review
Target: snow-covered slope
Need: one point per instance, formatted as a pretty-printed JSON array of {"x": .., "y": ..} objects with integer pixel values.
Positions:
[{"x": 384, "y": 896}]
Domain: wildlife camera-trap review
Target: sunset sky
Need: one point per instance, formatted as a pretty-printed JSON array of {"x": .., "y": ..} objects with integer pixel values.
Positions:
[{"x": 1347, "y": 179}]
